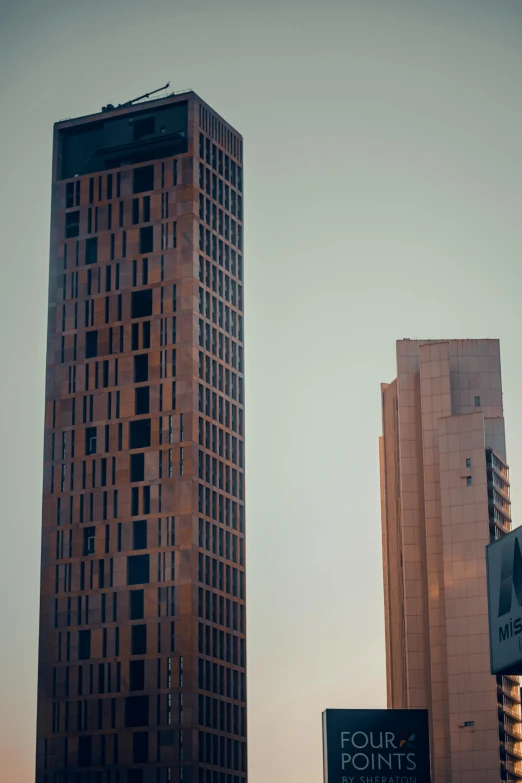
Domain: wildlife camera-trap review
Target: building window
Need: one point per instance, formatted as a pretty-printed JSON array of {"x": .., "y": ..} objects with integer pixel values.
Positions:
[
  {"x": 90, "y": 440},
  {"x": 137, "y": 675},
  {"x": 469, "y": 481},
  {"x": 138, "y": 640},
  {"x": 139, "y": 534},
  {"x": 146, "y": 239},
  {"x": 140, "y": 747},
  {"x": 137, "y": 467},
  {"x": 84, "y": 751},
  {"x": 139, "y": 434},
  {"x": 146, "y": 209},
  {"x": 72, "y": 224},
  {"x": 135, "y": 501},
  {"x": 143, "y": 127},
  {"x": 141, "y": 368},
  {"x": 135, "y": 211},
  {"x": 91, "y": 250},
  {"x": 142, "y": 399},
  {"x": 477, "y": 402},
  {"x": 84, "y": 645},
  {"x": 136, "y": 711},
  {"x": 88, "y": 541},
  {"x": 91, "y": 344},
  {"x": 468, "y": 462},
  {"x": 138, "y": 570},
  {"x": 141, "y": 303},
  {"x": 137, "y": 604},
  {"x": 69, "y": 195},
  {"x": 143, "y": 179}
]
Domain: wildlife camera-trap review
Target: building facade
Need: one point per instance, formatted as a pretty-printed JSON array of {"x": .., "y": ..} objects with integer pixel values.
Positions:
[
  {"x": 444, "y": 497},
  {"x": 142, "y": 655}
]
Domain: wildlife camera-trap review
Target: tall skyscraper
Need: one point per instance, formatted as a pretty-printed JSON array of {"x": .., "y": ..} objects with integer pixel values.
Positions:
[
  {"x": 445, "y": 496},
  {"x": 142, "y": 653}
]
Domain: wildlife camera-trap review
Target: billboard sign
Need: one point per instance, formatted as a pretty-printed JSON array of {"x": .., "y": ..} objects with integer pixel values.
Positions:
[
  {"x": 376, "y": 746},
  {"x": 504, "y": 576}
]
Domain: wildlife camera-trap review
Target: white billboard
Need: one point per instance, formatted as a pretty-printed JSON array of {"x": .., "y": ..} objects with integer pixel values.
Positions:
[{"x": 504, "y": 574}]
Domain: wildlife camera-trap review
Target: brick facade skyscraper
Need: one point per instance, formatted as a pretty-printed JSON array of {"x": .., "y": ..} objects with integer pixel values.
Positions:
[
  {"x": 445, "y": 496},
  {"x": 142, "y": 653}
]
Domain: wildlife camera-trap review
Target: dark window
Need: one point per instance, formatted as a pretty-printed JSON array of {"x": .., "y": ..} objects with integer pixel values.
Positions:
[
  {"x": 143, "y": 179},
  {"x": 139, "y": 434},
  {"x": 135, "y": 501},
  {"x": 136, "y": 711},
  {"x": 88, "y": 541},
  {"x": 91, "y": 250},
  {"x": 90, "y": 440},
  {"x": 135, "y": 776},
  {"x": 142, "y": 397},
  {"x": 141, "y": 303},
  {"x": 166, "y": 738},
  {"x": 477, "y": 402},
  {"x": 141, "y": 367},
  {"x": 146, "y": 239},
  {"x": 140, "y": 747},
  {"x": 84, "y": 645},
  {"x": 146, "y": 334},
  {"x": 468, "y": 462},
  {"x": 137, "y": 469},
  {"x": 84, "y": 751},
  {"x": 69, "y": 195},
  {"x": 469, "y": 481},
  {"x": 137, "y": 675},
  {"x": 137, "y": 604},
  {"x": 135, "y": 337},
  {"x": 91, "y": 344},
  {"x": 135, "y": 211},
  {"x": 146, "y": 209},
  {"x": 139, "y": 534},
  {"x": 138, "y": 570},
  {"x": 138, "y": 639},
  {"x": 143, "y": 127},
  {"x": 72, "y": 224}
]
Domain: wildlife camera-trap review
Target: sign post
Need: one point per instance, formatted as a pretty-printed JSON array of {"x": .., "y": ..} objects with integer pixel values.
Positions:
[
  {"x": 504, "y": 577},
  {"x": 376, "y": 746}
]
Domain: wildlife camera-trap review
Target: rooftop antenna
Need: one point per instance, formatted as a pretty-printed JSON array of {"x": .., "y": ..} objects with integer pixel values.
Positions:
[
  {"x": 135, "y": 100},
  {"x": 147, "y": 95}
]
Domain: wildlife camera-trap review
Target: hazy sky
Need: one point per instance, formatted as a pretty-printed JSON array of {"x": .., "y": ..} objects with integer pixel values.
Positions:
[{"x": 383, "y": 175}]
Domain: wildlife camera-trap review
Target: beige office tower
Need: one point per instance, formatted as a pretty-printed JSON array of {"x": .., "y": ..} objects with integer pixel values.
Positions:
[{"x": 445, "y": 496}]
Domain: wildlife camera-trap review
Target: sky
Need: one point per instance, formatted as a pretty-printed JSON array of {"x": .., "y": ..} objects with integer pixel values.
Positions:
[{"x": 383, "y": 192}]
